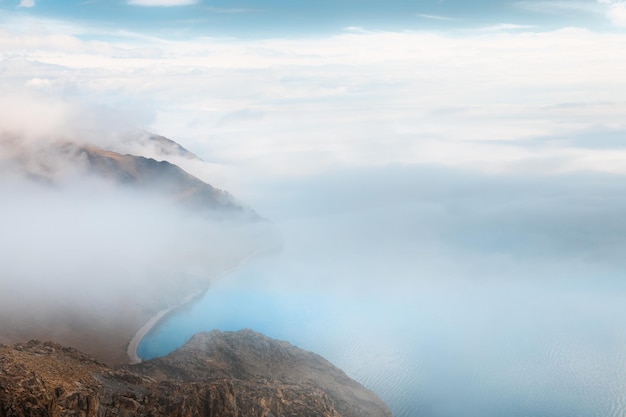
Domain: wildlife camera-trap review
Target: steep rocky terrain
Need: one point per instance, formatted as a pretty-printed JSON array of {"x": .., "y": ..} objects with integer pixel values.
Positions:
[{"x": 222, "y": 374}]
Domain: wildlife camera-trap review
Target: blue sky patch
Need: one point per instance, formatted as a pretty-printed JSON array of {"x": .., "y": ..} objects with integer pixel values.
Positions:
[{"x": 245, "y": 18}]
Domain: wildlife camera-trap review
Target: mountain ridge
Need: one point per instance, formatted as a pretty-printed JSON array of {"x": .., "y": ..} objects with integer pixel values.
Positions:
[
  {"x": 155, "y": 175},
  {"x": 48, "y": 379},
  {"x": 148, "y": 169}
]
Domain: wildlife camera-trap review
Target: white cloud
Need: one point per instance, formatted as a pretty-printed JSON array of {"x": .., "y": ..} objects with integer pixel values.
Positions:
[
  {"x": 27, "y": 3},
  {"x": 355, "y": 29},
  {"x": 505, "y": 27},
  {"x": 616, "y": 12},
  {"x": 434, "y": 17},
  {"x": 162, "y": 3},
  {"x": 355, "y": 99}
]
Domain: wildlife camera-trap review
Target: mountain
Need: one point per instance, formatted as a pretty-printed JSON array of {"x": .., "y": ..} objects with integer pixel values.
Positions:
[
  {"x": 97, "y": 240},
  {"x": 155, "y": 176},
  {"x": 160, "y": 145},
  {"x": 56, "y": 162},
  {"x": 79, "y": 276},
  {"x": 240, "y": 374}
]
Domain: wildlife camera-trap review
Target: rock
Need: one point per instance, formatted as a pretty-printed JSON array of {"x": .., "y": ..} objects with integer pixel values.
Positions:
[{"x": 225, "y": 374}]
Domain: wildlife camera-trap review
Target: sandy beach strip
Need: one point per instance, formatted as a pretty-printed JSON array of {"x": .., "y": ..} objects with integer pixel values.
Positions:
[{"x": 133, "y": 345}]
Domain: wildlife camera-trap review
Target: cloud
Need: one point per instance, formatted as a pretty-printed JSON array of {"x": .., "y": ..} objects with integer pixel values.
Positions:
[
  {"x": 355, "y": 99},
  {"x": 434, "y": 17},
  {"x": 97, "y": 246},
  {"x": 98, "y": 243},
  {"x": 617, "y": 14},
  {"x": 355, "y": 29},
  {"x": 27, "y": 3},
  {"x": 162, "y": 3},
  {"x": 506, "y": 27},
  {"x": 616, "y": 11}
]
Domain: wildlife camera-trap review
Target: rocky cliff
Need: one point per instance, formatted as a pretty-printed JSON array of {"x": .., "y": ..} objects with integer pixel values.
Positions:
[{"x": 222, "y": 374}]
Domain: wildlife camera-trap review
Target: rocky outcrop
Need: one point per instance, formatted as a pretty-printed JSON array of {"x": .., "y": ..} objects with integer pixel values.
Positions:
[{"x": 241, "y": 374}]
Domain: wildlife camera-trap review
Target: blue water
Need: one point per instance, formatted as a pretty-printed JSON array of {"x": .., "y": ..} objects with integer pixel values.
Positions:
[
  {"x": 492, "y": 350},
  {"x": 444, "y": 313}
]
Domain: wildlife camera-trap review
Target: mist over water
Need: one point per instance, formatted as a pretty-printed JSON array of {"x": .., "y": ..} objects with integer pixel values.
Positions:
[{"x": 448, "y": 293}]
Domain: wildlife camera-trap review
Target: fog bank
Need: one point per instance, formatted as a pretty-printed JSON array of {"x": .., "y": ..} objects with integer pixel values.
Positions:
[
  {"x": 446, "y": 291},
  {"x": 96, "y": 240}
]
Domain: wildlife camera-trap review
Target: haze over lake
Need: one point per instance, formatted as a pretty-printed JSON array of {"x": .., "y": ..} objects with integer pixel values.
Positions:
[{"x": 442, "y": 306}]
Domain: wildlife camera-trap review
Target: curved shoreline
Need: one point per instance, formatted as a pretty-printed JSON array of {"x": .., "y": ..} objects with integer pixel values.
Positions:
[
  {"x": 133, "y": 345},
  {"x": 135, "y": 341}
]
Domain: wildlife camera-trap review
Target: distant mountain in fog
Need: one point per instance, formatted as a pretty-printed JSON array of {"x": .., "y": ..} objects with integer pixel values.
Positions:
[
  {"x": 165, "y": 146},
  {"x": 57, "y": 161},
  {"x": 156, "y": 176}
]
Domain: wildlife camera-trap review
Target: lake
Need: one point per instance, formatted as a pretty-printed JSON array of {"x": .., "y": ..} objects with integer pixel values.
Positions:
[
  {"x": 448, "y": 294},
  {"x": 434, "y": 328}
]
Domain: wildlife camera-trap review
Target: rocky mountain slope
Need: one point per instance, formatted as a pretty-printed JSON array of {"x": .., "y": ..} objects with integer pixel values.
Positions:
[
  {"x": 155, "y": 176},
  {"x": 241, "y": 374},
  {"x": 57, "y": 161}
]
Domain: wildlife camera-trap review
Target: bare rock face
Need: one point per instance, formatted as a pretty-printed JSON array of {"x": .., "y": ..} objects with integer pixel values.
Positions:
[{"x": 241, "y": 374}]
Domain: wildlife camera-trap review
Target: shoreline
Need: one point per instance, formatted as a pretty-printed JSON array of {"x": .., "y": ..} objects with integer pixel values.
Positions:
[
  {"x": 133, "y": 345},
  {"x": 135, "y": 341}
]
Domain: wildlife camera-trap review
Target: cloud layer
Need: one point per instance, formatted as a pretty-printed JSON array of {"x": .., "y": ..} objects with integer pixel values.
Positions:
[
  {"x": 79, "y": 249},
  {"x": 616, "y": 11},
  {"x": 486, "y": 101}
]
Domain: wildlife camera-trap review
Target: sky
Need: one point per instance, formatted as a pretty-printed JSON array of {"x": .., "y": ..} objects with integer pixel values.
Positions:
[
  {"x": 278, "y": 17},
  {"x": 302, "y": 88}
]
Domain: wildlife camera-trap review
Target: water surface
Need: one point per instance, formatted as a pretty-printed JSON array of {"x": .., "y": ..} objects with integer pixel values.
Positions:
[{"x": 477, "y": 304}]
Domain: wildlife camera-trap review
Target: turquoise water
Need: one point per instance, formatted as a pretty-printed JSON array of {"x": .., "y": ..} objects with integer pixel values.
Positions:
[
  {"x": 447, "y": 350},
  {"x": 474, "y": 304}
]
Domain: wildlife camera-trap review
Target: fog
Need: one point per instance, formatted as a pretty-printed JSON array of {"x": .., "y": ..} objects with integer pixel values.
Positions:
[
  {"x": 86, "y": 252},
  {"x": 88, "y": 240},
  {"x": 446, "y": 291}
]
